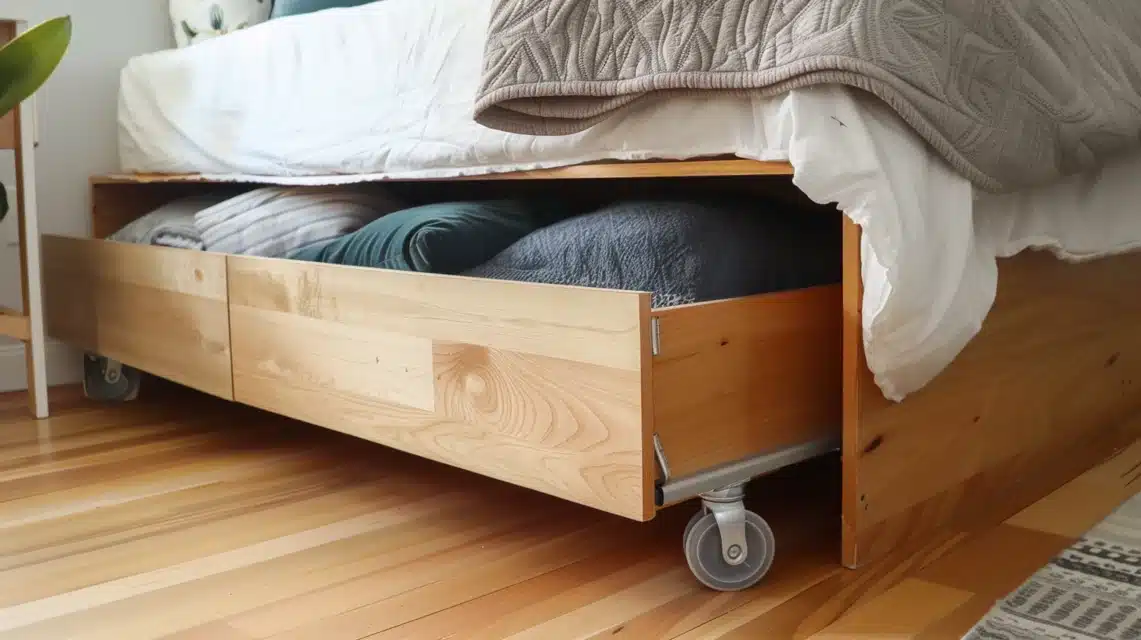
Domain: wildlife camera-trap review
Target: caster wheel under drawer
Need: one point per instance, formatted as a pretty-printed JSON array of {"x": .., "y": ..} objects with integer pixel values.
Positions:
[
  {"x": 728, "y": 547},
  {"x": 106, "y": 380}
]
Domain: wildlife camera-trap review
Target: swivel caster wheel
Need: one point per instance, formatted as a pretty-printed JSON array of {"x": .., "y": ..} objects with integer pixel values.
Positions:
[
  {"x": 732, "y": 567},
  {"x": 107, "y": 380}
]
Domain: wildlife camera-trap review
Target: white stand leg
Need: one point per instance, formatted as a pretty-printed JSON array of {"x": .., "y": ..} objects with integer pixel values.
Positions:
[{"x": 34, "y": 347}]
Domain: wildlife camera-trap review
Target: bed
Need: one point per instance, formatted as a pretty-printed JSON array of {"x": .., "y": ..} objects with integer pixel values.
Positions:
[{"x": 959, "y": 381}]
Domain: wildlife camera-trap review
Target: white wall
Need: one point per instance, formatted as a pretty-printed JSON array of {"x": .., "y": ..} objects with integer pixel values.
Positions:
[{"x": 77, "y": 133}]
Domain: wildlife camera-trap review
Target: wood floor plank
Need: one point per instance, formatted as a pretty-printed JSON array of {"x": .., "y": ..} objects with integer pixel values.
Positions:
[
  {"x": 525, "y": 605},
  {"x": 1088, "y": 499},
  {"x": 421, "y": 589},
  {"x": 189, "y": 518},
  {"x": 261, "y": 581},
  {"x": 971, "y": 566},
  {"x": 903, "y": 611},
  {"x": 955, "y": 624}
]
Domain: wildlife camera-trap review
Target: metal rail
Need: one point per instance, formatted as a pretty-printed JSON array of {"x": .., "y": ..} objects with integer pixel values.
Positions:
[{"x": 672, "y": 491}]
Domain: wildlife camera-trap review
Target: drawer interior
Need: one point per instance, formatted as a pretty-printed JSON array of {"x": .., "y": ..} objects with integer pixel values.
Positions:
[{"x": 737, "y": 378}]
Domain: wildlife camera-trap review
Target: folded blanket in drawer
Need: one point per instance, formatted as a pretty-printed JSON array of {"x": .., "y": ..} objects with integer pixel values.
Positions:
[
  {"x": 681, "y": 252},
  {"x": 447, "y": 237},
  {"x": 276, "y": 222},
  {"x": 171, "y": 225}
]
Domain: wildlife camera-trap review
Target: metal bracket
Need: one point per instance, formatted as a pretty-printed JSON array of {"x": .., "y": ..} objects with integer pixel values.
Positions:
[
  {"x": 663, "y": 462},
  {"x": 655, "y": 336},
  {"x": 112, "y": 371},
  {"x": 728, "y": 507},
  {"x": 711, "y": 480}
]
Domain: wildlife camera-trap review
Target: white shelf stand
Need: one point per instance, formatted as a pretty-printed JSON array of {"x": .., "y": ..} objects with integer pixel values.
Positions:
[{"x": 17, "y": 131}]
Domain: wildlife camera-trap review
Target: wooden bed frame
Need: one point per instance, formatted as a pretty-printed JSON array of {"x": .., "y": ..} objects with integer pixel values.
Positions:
[{"x": 572, "y": 391}]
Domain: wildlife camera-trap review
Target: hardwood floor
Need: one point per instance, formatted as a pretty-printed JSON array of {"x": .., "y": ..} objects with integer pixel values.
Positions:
[{"x": 184, "y": 517}]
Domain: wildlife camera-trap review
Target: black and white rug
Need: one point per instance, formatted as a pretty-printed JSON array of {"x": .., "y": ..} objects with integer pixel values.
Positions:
[{"x": 1090, "y": 591}]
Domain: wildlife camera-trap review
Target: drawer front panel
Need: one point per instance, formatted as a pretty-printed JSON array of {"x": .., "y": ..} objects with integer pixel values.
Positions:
[
  {"x": 156, "y": 309},
  {"x": 539, "y": 386}
]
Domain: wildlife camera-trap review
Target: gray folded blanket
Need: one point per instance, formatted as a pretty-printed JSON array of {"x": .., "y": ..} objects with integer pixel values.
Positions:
[
  {"x": 279, "y": 222},
  {"x": 1013, "y": 93},
  {"x": 171, "y": 225},
  {"x": 679, "y": 251}
]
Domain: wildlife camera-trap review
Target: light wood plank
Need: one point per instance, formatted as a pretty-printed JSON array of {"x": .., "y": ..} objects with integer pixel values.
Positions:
[
  {"x": 157, "y": 309},
  {"x": 855, "y": 378},
  {"x": 1077, "y": 507},
  {"x": 903, "y": 611},
  {"x": 1048, "y": 388},
  {"x": 592, "y": 326},
  {"x": 539, "y": 386},
  {"x": 14, "y": 324},
  {"x": 971, "y": 567},
  {"x": 588, "y": 171},
  {"x": 735, "y": 378}
]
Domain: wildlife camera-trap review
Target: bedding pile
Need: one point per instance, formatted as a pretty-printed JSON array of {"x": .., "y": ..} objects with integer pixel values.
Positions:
[
  {"x": 387, "y": 90},
  {"x": 272, "y": 222},
  {"x": 679, "y": 251}
]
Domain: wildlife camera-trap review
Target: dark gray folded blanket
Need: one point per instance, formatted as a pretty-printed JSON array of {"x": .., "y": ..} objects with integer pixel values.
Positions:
[{"x": 681, "y": 252}]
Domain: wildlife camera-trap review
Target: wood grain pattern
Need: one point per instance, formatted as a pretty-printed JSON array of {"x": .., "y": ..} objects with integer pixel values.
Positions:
[
  {"x": 1048, "y": 388},
  {"x": 157, "y": 309},
  {"x": 161, "y": 519},
  {"x": 14, "y": 324},
  {"x": 855, "y": 377},
  {"x": 587, "y": 171},
  {"x": 735, "y": 378},
  {"x": 536, "y": 385}
]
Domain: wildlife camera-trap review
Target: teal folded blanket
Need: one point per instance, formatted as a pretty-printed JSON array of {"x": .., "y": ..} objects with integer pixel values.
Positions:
[
  {"x": 448, "y": 237},
  {"x": 283, "y": 8}
]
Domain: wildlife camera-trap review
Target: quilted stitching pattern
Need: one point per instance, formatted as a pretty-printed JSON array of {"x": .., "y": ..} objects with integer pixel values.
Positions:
[{"x": 1014, "y": 93}]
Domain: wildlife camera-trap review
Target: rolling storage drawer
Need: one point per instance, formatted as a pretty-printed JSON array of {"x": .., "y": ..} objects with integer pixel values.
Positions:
[
  {"x": 553, "y": 388},
  {"x": 156, "y": 309}
]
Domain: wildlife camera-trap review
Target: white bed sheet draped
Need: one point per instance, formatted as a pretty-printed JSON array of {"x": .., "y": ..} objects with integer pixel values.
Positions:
[{"x": 385, "y": 90}]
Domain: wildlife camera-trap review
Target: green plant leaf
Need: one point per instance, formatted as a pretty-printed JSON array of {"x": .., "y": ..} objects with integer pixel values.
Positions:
[
  {"x": 191, "y": 34},
  {"x": 29, "y": 60}
]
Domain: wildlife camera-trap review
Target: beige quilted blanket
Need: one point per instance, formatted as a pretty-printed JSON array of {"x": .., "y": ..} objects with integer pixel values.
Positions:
[{"x": 1013, "y": 93}]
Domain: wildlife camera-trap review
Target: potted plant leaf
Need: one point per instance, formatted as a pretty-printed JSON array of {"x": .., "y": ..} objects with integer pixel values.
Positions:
[{"x": 26, "y": 63}]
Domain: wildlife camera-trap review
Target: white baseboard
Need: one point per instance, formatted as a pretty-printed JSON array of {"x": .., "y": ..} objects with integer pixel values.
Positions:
[{"x": 64, "y": 365}]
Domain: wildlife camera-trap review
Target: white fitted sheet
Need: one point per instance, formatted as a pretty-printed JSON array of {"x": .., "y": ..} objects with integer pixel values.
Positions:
[{"x": 385, "y": 90}]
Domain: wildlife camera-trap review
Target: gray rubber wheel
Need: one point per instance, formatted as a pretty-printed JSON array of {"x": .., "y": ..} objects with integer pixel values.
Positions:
[
  {"x": 701, "y": 513},
  {"x": 104, "y": 383},
  {"x": 703, "y": 553}
]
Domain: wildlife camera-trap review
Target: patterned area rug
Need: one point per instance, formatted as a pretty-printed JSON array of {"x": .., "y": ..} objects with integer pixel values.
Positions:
[{"x": 1090, "y": 591}]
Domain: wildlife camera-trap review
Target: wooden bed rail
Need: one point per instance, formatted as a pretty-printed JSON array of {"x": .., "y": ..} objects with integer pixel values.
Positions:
[{"x": 1049, "y": 388}]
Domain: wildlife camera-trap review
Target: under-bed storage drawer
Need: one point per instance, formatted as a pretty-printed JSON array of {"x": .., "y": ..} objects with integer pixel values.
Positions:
[
  {"x": 540, "y": 386},
  {"x": 548, "y": 387},
  {"x": 156, "y": 309}
]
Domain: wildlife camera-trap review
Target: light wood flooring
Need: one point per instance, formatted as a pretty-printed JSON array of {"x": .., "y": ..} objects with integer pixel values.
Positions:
[{"x": 183, "y": 517}]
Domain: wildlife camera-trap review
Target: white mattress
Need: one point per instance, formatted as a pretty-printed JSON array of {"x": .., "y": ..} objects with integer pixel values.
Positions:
[{"x": 385, "y": 90}]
